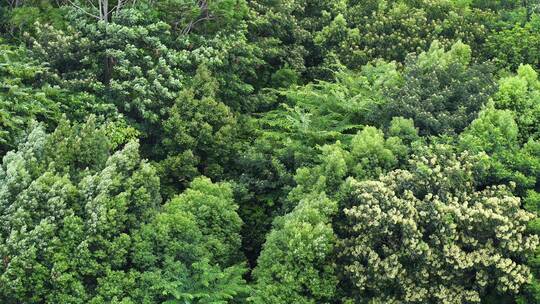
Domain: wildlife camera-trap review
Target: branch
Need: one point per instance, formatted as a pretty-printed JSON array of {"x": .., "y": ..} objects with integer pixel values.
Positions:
[
  {"x": 203, "y": 6},
  {"x": 83, "y": 10},
  {"x": 119, "y": 6},
  {"x": 189, "y": 27},
  {"x": 12, "y": 4},
  {"x": 92, "y": 3}
]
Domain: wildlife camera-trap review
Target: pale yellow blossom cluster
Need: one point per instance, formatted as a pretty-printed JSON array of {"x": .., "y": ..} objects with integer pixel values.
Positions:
[{"x": 430, "y": 240}]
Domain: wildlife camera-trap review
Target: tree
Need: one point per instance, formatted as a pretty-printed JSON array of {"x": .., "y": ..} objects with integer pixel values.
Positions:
[
  {"x": 495, "y": 132},
  {"x": 184, "y": 81},
  {"x": 68, "y": 211},
  {"x": 199, "y": 130},
  {"x": 425, "y": 235},
  {"x": 215, "y": 213},
  {"x": 324, "y": 112},
  {"x": 520, "y": 93},
  {"x": 187, "y": 16},
  {"x": 514, "y": 46},
  {"x": 285, "y": 29},
  {"x": 31, "y": 92},
  {"x": 82, "y": 226},
  {"x": 19, "y": 16},
  {"x": 296, "y": 262},
  {"x": 391, "y": 30},
  {"x": 285, "y": 139},
  {"x": 350, "y": 151},
  {"x": 442, "y": 90},
  {"x": 189, "y": 251},
  {"x": 373, "y": 153}
]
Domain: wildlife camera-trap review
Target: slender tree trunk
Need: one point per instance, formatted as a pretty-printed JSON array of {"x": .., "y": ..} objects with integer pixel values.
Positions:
[
  {"x": 104, "y": 15},
  {"x": 108, "y": 61},
  {"x": 528, "y": 9}
]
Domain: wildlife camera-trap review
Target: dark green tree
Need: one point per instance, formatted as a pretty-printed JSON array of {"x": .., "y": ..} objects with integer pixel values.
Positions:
[
  {"x": 190, "y": 251},
  {"x": 442, "y": 90},
  {"x": 29, "y": 91}
]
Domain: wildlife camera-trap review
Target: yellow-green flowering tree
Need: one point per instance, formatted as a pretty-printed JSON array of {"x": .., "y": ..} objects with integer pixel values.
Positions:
[{"x": 426, "y": 235}]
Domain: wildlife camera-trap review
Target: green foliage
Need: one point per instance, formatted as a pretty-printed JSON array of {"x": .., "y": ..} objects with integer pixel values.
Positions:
[
  {"x": 284, "y": 78},
  {"x": 263, "y": 174},
  {"x": 285, "y": 30},
  {"x": 521, "y": 94},
  {"x": 162, "y": 81},
  {"x": 287, "y": 139},
  {"x": 369, "y": 155},
  {"x": 82, "y": 226},
  {"x": 495, "y": 133},
  {"x": 360, "y": 151},
  {"x": 198, "y": 126},
  {"x": 68, "y": 211},
  {"x": 374, "y": 154},
  {"x": 18, "y": 105},
  {"x": 215, "y": 213},
  {"x": 296, "y": 262},
  {"x": 497, "y": 5},
  {"x": 20, "y": 16},
  {"x": 322, "y": 113},
  {"x": 508, "y": 136},
  {"x": 334, "y": 165},
  {"x": 186, "y": 253},
  {"x": 515, "y": 46},
  {"x": 532, "y": 291},
  {"x": 201, "y": 16},
  {"x": 442, "y": 91},
  {"x": 29, "y": 92},
  {"x": 393, "y": 29},
  {"x": 417, "y": 238}
]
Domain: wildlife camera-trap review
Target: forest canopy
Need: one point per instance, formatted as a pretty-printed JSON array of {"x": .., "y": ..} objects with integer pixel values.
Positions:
[{"x": 270, "y": 151}]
